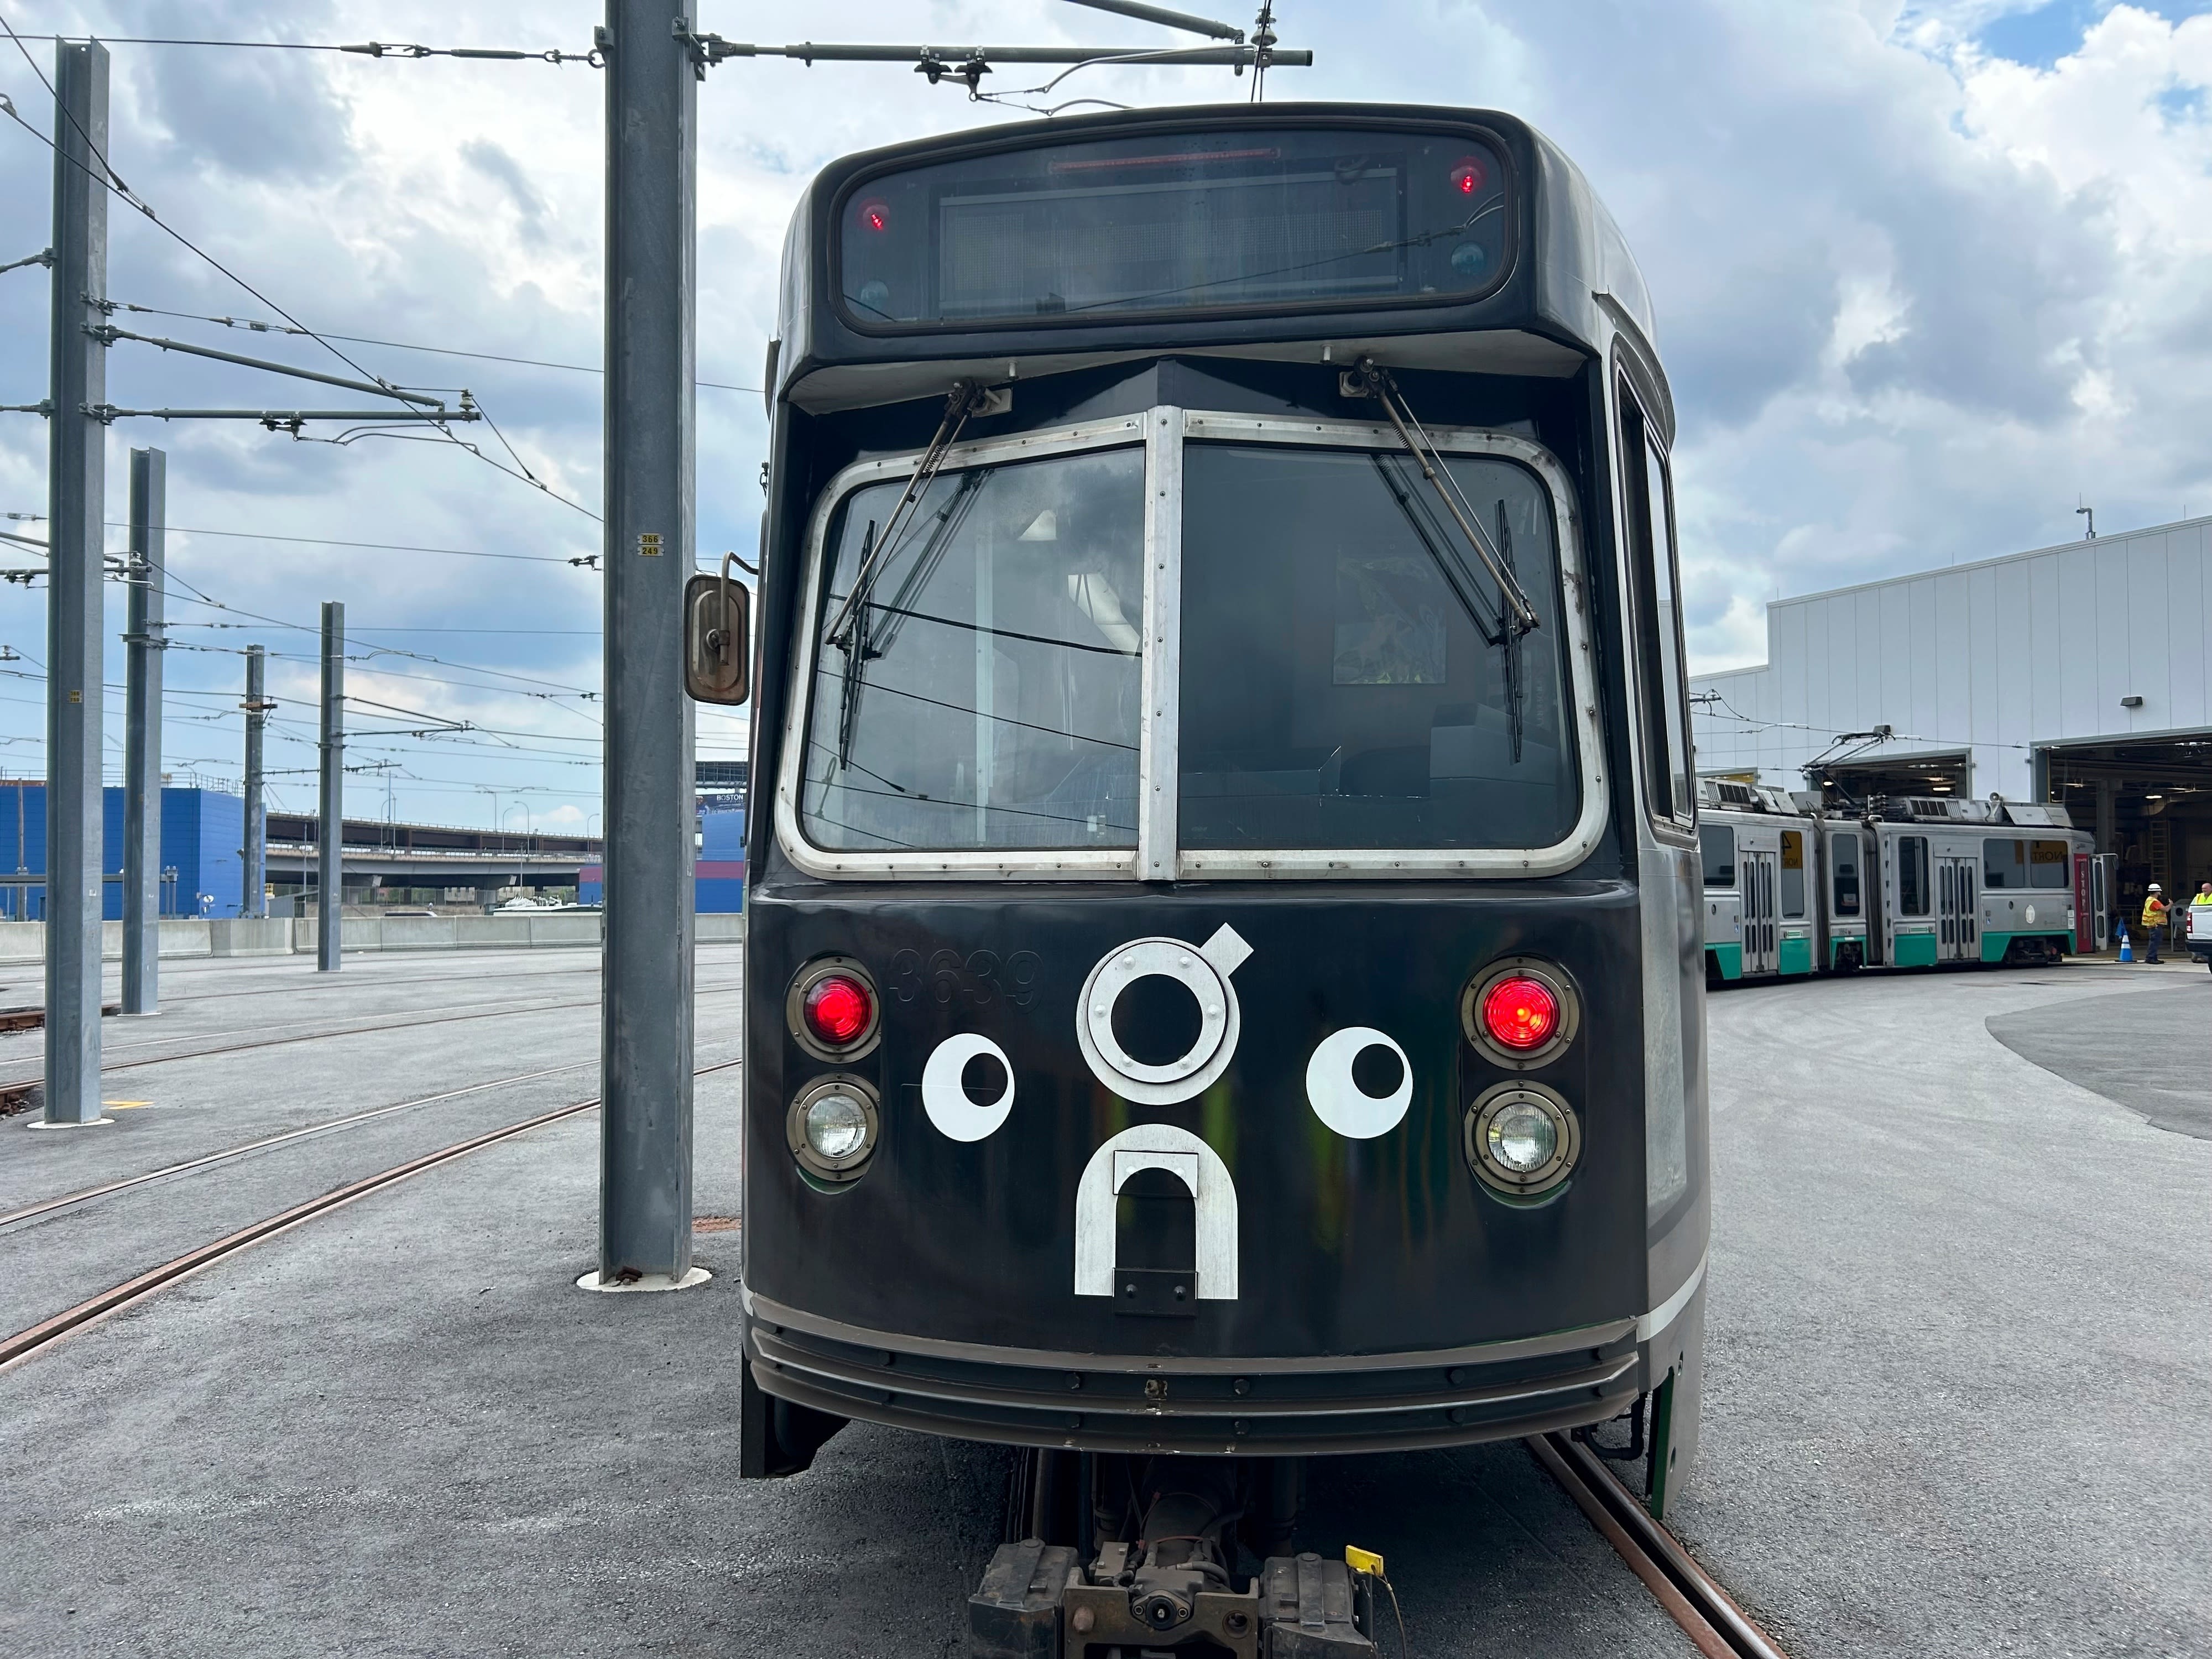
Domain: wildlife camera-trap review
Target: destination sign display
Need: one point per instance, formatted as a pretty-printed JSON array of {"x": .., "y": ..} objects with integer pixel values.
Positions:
[{"x": 1275, "y": 220}]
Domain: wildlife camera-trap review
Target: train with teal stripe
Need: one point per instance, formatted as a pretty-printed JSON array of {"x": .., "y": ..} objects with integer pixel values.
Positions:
[{"x": 1795, "y": 887}]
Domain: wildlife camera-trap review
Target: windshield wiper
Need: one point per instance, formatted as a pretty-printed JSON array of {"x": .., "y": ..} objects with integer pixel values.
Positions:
[
  {"x": 1370, "y": 380},
  {"x": 968, "y": 397},
  {"x": 1457, "y": 577}
]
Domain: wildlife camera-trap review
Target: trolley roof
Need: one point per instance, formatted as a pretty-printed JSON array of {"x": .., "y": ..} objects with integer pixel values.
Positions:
[{"x": 1571, "y": 286}]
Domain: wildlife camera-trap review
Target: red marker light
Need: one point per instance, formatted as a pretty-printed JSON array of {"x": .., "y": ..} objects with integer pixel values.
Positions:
[
  {"x": 838, "y": 1010},
  {"x": 1520, "y": 1014},
  {"x": 1469, "y": 176},
  {"x": 876, "y": 217}
]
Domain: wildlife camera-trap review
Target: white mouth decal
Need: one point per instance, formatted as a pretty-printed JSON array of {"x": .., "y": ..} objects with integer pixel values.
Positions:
[{"x": 1191, "y": 1161}]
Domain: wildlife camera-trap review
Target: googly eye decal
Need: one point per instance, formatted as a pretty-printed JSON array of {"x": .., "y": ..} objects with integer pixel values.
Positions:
[
  {"x": 1339, "y": 1101},
  {"x": 945, "y": 1098}
]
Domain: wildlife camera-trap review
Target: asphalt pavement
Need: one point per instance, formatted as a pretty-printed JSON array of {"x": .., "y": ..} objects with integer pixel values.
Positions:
[{"x": 1954, "y": 1385}]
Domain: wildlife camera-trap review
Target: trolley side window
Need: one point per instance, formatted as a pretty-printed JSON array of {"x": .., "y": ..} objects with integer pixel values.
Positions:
[
  {"x": 2048, "y": 864},
  {"x": 1717, "y": 841},
  {"x": 1347, "y": 678},
  {"x": 983, "y": 690},
  {"x": 2004, "y": 863},
  {"x": 1912, "y": 889},
  {"x": 1793, "y": 874},
  {"x": 1655, "y": 577},
  {"x": 1843, "y": 858}
]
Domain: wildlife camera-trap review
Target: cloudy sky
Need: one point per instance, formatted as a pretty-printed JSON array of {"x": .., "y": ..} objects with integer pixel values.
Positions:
[{"x": 1928, "y": 277}]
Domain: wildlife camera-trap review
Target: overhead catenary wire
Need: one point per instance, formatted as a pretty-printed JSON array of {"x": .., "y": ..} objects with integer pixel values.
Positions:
[
  {"x": 408, "y": 345},
  {"x": 114, "y": 181},
  {"x": 108, "y": 178}
]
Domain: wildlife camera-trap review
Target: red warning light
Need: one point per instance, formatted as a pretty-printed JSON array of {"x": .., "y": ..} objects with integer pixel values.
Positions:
[
  {"x": 875, "y": 215},
  {"x": 1469, "y": 176},
  {"x": 838, "y": 1010},
  {"x": 1522, "y": 1013}
]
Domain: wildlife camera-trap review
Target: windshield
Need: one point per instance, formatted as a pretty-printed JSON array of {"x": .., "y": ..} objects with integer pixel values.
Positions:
[
  {"x": 986, "y": 691},
  {"x": 1348, "y": 679},
  {"x": 1277, "y": 217}
]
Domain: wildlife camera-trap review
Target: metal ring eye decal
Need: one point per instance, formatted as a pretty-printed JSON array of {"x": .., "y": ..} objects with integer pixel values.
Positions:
[
  {"x": 946, "y": 1100},
  {"x": 1204, "y": 971},
  {"x": 1339, "y": 1101}
]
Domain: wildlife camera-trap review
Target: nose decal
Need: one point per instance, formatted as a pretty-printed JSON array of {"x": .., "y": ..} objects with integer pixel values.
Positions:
[
  {"x": 1190, "y": 1160},
  {"x": 1339, "y": 1101},
  {"x": 944, "y": 1098},
  {"x": 1204, "y": 971}
]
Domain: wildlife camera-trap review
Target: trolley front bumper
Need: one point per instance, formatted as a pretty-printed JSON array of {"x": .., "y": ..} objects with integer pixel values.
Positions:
[{"x": 1134, "y": 1403}]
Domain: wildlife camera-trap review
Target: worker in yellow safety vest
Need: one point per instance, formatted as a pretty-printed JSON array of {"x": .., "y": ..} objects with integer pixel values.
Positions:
[{"x": 2153, "y": 921}]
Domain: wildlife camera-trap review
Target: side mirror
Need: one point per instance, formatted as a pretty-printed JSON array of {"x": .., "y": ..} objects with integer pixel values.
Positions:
[{"x": 717, "y": 637}]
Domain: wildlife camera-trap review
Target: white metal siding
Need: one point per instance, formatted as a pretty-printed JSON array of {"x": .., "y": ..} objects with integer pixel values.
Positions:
[{"x": 1993, "y": 658}]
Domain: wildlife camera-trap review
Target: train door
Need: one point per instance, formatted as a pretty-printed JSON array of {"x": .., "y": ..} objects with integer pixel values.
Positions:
[
  {"x": 1759, "y": 934},
  {"x": 1958, "y": 895},
  {"x": 1793, "y": 946},
  {"x": 2085, "y": 915},
  {"x": 2104, "y": 882}
]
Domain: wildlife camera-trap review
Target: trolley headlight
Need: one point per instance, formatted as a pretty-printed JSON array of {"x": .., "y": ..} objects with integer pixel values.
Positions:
[
  {"x": 832, "y": 1127},
  {"x": 1522, "y": 1140},
  {"x": 832, "y": 1009},
  {"x": 1520, "y": 1011}
]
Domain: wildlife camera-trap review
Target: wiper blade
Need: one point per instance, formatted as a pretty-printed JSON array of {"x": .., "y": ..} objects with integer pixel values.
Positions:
[
  {"x": 1370, "y": 380},
  {"x": 968, "y": 397}
]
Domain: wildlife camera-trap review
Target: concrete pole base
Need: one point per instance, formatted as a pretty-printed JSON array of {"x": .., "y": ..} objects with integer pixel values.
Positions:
[
  {"x": 591, "y": 1281},
  {"x": 65, "y": 1123}
]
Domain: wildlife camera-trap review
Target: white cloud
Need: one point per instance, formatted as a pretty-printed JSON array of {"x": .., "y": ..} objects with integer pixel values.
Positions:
[{"x": 1914, "y": 297}]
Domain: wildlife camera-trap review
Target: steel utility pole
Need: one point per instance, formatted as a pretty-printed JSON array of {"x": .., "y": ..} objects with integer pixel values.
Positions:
[
  {"x": 77, "y": 449},
  {"x": 144, "y": 640},
  {"x": 329, "y": 828},
  {"x": 645, "y": 1147},
  {"x": 255, "y": 853}
]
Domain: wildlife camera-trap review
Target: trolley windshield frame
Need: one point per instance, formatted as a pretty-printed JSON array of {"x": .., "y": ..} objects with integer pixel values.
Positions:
[{"x": 1163, "y": 431}]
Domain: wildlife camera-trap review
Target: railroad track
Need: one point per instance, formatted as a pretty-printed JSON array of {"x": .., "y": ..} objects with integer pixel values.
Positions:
[
  {"x": 1707, "y": 1614},
  {"x": 26, "y": 1344},
  {"x": 209, "y": 1160},
  {"x": 15, "y": 1086}
]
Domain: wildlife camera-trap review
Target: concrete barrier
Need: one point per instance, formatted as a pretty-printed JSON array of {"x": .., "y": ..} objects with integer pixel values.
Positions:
[{"x": 192, "y": 936}]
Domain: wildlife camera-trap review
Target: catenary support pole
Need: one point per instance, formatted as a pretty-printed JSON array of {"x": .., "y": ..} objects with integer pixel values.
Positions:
[
  {"x": 254, "y": 855},
  {"x": 77, "y": 510},
  {"x": 645, "y": 1150},
  {"x": 146, "y": 611},
  {"x": 329, "y": 828}
]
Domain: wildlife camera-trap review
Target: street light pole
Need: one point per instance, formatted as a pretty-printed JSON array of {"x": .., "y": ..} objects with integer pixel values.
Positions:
[
  {"x": 144, "y": 611},
  {"x": 76, "y": 475},
  {"x": 256, "y": 850},
  {"x": 646, "y": 1043},
  {"x": 330, "y": 834}
]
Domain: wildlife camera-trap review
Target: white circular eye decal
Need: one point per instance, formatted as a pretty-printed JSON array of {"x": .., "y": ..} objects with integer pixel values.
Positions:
[
  {"x": 947, "y": 1100},
  {"x": 1201, "y": 969},
  {"x": 1341, "y": 1102}
]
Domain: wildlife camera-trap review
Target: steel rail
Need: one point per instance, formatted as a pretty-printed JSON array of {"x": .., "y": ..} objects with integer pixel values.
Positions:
[
  {"x": 1709, "y": 1616},
  {"x": 497, "y": 1011},
  {"x": 25, "y": 1344},
  {"x": 85, "y": 1195}
]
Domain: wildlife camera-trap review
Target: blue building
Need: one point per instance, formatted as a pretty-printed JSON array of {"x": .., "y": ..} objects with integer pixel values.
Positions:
[
  {"x": 202, "y": 831},
  {"x": 717, "y": 878}
]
